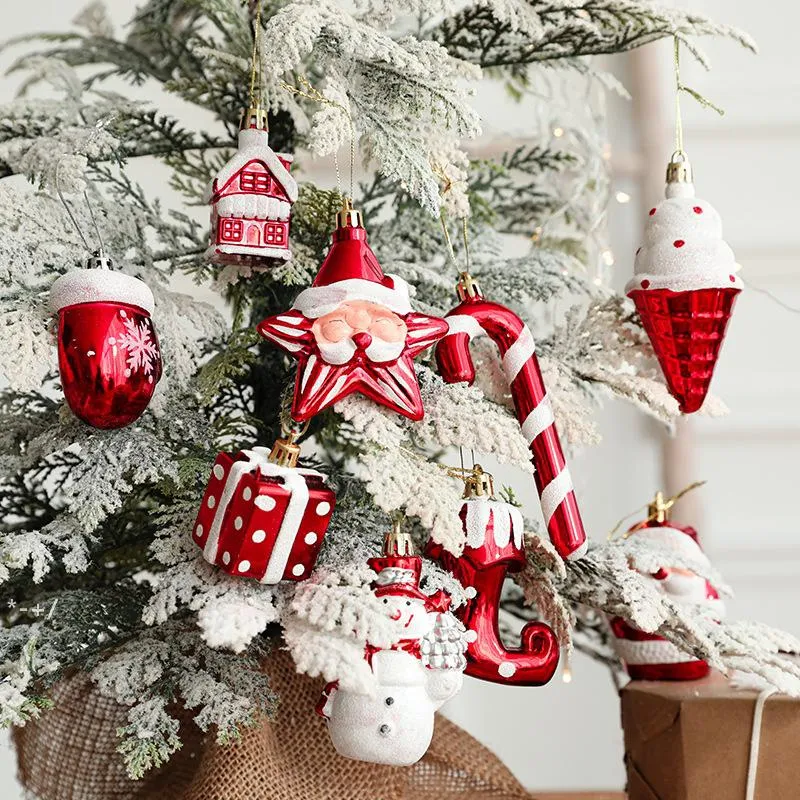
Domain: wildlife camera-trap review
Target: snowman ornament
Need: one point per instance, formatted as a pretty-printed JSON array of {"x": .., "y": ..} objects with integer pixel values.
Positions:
[{"x": 415, "y": 676}]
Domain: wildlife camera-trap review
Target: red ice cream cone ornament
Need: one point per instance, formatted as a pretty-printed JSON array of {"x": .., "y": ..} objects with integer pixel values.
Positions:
[
  {"x": 685, "y": 286},
  {"x": 108, "y": 352}
]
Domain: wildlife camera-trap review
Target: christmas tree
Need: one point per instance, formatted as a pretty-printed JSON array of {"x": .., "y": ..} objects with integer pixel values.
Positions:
[{"x": 100, "y": 570}]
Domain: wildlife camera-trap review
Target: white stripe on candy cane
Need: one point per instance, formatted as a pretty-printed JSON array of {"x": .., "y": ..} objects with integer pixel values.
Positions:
[
  {"x": 463, "y": 323},
  {"x": 518, "y": 354},
  {"x": 538, "y": 421},
  {"x": 554, "y": 494}
]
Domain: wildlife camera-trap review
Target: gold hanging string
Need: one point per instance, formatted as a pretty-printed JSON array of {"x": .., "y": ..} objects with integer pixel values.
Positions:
[
  {"x": 465, "y": 234},
  {"x": 662, "y": 507},
  {"x": 256, "y": 77},
  {"x": 309, "y": 92},
  {"x": 680, "y": 87},
  {"x": 451, "y": 253}
]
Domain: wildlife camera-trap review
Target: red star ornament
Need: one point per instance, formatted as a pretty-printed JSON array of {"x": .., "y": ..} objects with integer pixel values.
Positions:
[{"x": 353, "y": 330}]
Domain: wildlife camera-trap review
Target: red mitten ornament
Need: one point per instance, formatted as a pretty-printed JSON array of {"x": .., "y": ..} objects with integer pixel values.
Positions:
[
  {"x": 262, "y": 517},
  {"x": 476, "y": 316},
  {"x": 108, "y": 352},
  {"x": 685, "y": 286},
  {"x": 648, "y": 656},
  {"x": 251, "y": 200},
  {"x": 493, "y": 548},
  {"x": 353, "y": 330}
]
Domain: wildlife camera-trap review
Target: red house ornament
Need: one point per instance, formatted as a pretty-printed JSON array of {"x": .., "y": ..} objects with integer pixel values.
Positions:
[
  {"x": 262, "y": 517},
  {"x": 251, "y": 200}
]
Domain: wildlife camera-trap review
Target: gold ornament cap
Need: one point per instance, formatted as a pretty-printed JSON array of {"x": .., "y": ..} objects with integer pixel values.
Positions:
[
  {"x": 467, "y": 287},
  {"x": 679, "y": 170},
  {"x": 398, "y": 542},
  {"x": 285, "y": 453},
  {"x": 478, "y": 483},
  {"x": 254, "y": 118},
  {"x": 658, "y": 510},
  {"x": 347, "y": 216}
]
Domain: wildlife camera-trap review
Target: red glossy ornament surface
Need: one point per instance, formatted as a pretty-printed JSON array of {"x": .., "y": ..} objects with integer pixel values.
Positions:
[
  {"x": 484, "y": 569},
  {"x": 352, "y": 331},
  {"x": 109, "y": 360},
  {"x": 476, "y": 316},
  {"x": 686, "y": 330},
  {"x": 263, "y": 521}
]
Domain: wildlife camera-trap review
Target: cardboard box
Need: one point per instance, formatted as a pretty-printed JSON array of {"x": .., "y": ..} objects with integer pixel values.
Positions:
[{"x": 691, "y": 741}]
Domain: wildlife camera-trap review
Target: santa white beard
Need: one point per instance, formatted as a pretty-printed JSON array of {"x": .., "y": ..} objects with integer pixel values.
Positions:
[
  {"x": 378, "y": 351},
  {"x": 686, "y": 588}
]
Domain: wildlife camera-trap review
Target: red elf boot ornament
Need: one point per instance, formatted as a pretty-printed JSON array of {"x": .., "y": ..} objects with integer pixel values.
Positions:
[
  {"x": 685, "y": 286},
  {"x": 648, "y": 656},
  {"x": 493, "y": 547},
  {"x": 108, "y": 352}
]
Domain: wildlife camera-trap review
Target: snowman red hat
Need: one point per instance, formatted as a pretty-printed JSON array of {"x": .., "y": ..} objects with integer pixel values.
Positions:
[{"x": 398, "y": 576}]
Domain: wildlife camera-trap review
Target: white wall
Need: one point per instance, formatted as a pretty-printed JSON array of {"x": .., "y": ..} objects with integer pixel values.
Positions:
[{"x": 567, "y": 736}]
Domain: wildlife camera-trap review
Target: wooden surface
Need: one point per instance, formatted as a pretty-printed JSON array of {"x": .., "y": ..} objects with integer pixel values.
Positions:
[{"x": 581, "y": 796}]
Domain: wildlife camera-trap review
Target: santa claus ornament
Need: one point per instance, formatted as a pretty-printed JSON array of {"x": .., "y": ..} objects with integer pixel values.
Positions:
[
  {"x": 354, "y": 330},
  {"x": 648, "y": 656},
  {"x": 415, "y": 676},
  {"x": 262, "y": 516},
  {"x": 108, "y": 353},
  {"x": 493, "y": 548},
  {"x": 685, "y": 286}
]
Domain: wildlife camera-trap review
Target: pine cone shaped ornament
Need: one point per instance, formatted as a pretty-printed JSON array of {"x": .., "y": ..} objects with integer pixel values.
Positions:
[
  {"x": 108, "y": 352},
  {"x": 685, "y": 286}
]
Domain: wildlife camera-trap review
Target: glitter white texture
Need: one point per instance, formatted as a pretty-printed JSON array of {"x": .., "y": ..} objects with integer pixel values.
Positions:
[
  {"x": 703, "y": 260},
  {"x": 100, "y": 285}
]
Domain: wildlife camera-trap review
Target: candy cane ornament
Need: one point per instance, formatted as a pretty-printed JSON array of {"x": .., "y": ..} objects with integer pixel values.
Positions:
[{"x": 476, "y": 316}]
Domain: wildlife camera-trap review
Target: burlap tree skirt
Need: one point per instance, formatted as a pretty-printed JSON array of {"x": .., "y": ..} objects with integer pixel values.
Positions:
[{"x": 70, "y": 754}]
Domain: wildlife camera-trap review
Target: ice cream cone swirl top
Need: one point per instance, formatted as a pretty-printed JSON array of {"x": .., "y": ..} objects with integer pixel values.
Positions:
[{"x": 683, "y": 247}]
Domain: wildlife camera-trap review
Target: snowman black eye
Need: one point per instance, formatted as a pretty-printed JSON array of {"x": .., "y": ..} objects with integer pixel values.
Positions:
[
  {"x": 408, "y": 602},
  {"x": 385, "y": 600}
]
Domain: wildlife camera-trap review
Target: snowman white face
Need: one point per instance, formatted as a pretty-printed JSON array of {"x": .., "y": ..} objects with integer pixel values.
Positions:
[{"x": 410, "y": 615}]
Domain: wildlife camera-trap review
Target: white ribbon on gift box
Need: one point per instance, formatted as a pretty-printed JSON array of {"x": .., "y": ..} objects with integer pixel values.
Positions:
[{"x": 295, "y": 482}]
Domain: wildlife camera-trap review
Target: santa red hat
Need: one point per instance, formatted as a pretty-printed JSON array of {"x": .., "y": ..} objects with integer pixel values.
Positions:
[
  {"x": 351, "y": 271},
  {"x": 397, "y": 576},
  {"x": 679, "y": 539}
]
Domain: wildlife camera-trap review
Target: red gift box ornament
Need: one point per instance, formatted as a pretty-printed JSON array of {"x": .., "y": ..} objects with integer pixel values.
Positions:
[
  {"x": 354, "y": 330},
  {"x": 494, "y": 547},
  {"x": 251, "y": 200},
  {"x": 263, "y": 517},
  {"x": 648, "y": 656},
  {"x": 685, "y": 286},
  {"x": 108, "y": 352}
]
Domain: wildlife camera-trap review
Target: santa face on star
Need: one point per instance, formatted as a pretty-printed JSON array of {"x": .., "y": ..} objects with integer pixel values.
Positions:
[
  {"x": 354, "y": 330},
  {"x": 360, "y": 326}
]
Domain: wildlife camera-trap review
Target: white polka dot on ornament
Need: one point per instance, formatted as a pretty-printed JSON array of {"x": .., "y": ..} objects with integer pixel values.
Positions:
[
  {"x": 247, "y": 493},
  {"x": 259, "y": 536},
  {"x": 310, "y": 538},
  {"x": 219, "y": 472},
  {"x": 198, "y": 531},
  {"x": 471, "y": 636},
  {"x": 226, "y": 558},
  {"x": 237, "y": 523},
  {"x": 506, "y": 669},
  {"x": 211, "y": 502},
  {"x": 298, "y": 570},
  {"x": 244, "y": 565},
  {"x": 323, "y": 508},
  {"x": 265, "y": 503}
]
